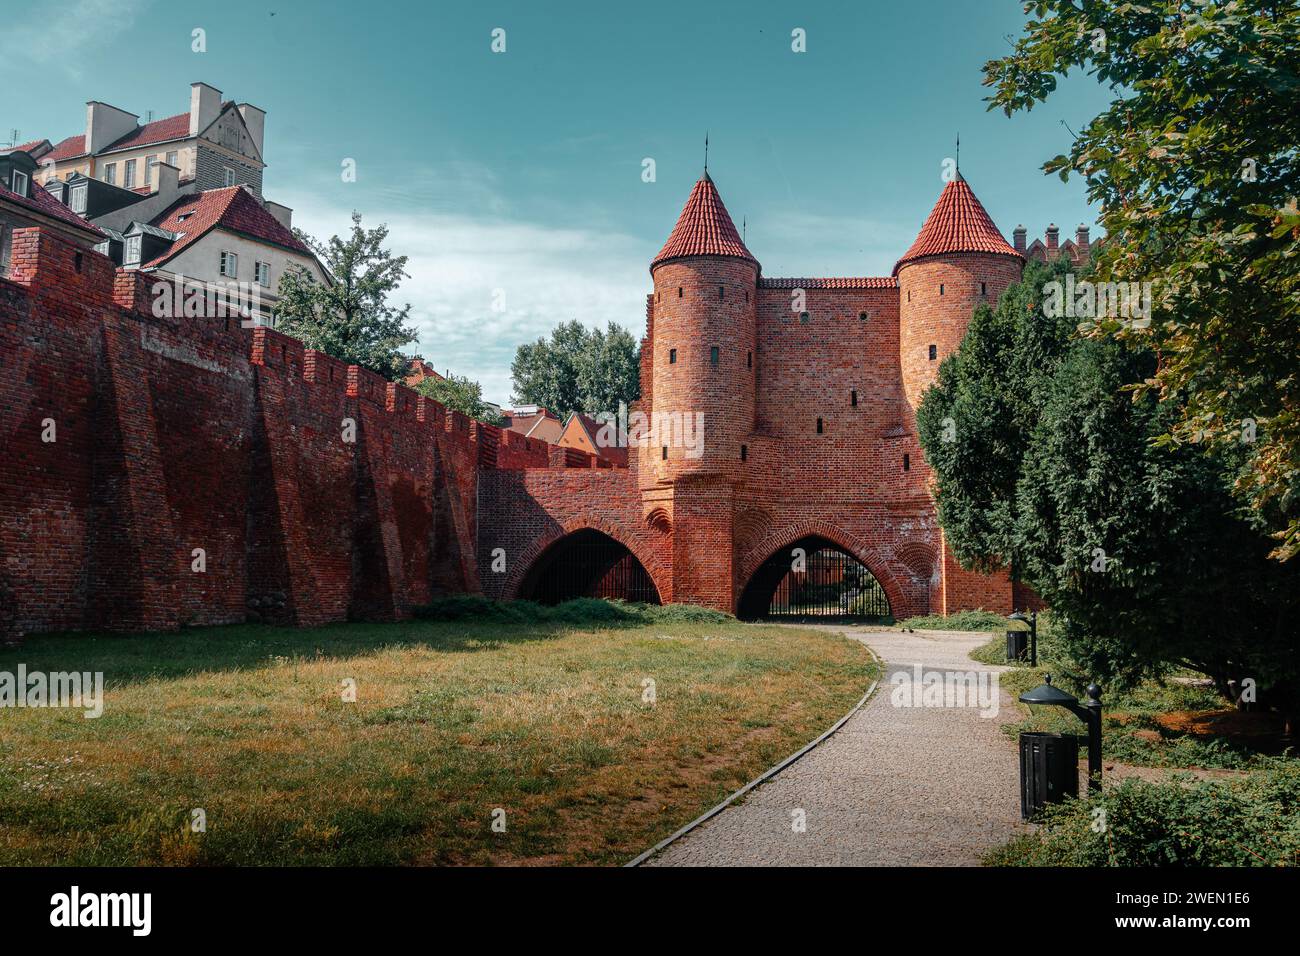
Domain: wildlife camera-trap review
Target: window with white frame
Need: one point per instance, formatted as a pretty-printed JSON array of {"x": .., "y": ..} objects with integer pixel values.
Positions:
[
  {"x": 131, "y": 250},
  {"x": 128, "y": 174},
  {"x": 6, "y": 236},
  {"x": 19, "y": 182},
  {"x": 173, "y": 159},
  {"x": 229, "y": 264},
  {"x": 77, "y": 198},
  {"x": 110, "y": 174},
  {"x": 228, "y": 176},
  {"x": 148, "y": 170},
  {"x": 264, "y": 273}
]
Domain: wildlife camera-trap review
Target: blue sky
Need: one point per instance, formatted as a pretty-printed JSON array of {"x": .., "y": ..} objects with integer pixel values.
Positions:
[{"x": 519, "y": 174}]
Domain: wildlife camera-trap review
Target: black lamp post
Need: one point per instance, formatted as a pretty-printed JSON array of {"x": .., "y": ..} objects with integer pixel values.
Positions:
[
  {"x": 1089, "y": 713},
  {"x": 1032, "y": 620}
]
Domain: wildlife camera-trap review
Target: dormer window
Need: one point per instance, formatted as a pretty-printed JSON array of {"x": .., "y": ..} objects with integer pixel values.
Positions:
[
  {"x": 77, "y": 198},
  {"x": 183, "y": 216},
  {"x": 18, "y": 183},
  {"x": 131, "y": 250}
]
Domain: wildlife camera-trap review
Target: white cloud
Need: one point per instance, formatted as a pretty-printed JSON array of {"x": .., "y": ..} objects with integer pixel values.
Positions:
[
  {"x": 59, "y": 34},
  {"x": 457, "y": 263},
  {"x": 547, "y": 274}
]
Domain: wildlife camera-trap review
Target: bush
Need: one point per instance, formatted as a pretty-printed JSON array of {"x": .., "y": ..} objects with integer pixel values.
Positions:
[
  {"x": 1253, "y": 821},
  {"x": 580, "y": 611},
  {"x": 961, "y": 621},
  {"x": 467, "y": 606}
]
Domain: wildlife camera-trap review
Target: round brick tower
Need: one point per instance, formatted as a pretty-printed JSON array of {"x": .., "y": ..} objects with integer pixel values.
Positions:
[
  {"x": 958, "y": 261},
  {"x": 705, "y": 321}
]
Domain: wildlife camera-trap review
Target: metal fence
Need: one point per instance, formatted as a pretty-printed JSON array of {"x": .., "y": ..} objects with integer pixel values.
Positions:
[
  {"x": 831, "y": 585},
  {"x": 592, "y": 565}
]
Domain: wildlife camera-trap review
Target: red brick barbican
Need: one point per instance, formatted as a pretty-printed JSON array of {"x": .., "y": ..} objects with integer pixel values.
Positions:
[{"x": 315, "y": 491}]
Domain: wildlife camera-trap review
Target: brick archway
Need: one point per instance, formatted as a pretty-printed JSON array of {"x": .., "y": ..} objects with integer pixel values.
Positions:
[
  {"x": 519, "y": 568},
  {"x": 883, "y": 570}
]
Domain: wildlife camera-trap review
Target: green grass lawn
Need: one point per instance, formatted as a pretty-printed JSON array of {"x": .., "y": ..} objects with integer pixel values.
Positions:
[{"x": 453, "y": 720}]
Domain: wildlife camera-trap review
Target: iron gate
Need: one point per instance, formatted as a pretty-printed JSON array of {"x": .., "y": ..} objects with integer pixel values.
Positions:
[
  {"x": 831, "y": 584},
  {"x": 589, "y": 564}
]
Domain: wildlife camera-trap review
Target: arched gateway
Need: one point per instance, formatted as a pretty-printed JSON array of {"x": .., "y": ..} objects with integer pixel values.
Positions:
[
  {"x": 587, "y": 563},
  {"x": 813, "y": 579}
]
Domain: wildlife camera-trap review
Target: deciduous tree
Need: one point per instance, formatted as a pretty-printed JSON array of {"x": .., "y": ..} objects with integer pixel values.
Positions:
[
  {"x": 1196, "y": 166},
  {"x": 350, "y": 318}
]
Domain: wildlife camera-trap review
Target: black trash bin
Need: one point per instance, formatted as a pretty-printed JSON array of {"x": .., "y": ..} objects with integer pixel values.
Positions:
[
  {"x": 1017, "y": 645},
  {"x": 1049, "y": 770}
]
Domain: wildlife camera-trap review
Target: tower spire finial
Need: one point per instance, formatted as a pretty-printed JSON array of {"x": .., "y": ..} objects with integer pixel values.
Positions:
[
  {"x": 957, "y": 158},
  {"x": 706, "y": 151}
]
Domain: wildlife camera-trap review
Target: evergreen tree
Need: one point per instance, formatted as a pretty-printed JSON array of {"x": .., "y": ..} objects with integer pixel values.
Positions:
[{"x": 1045, "y": 460}]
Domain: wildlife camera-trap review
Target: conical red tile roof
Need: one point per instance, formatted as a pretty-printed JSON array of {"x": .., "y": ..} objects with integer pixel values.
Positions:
[
  {"x": 957, "y": 223},
  {"x": 704, "y": 228}
]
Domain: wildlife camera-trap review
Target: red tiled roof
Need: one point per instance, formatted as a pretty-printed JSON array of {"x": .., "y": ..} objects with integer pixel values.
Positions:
[
  {"x": 232, "y": 208},
  {"x": 24, "y": 147},
  {"x": 957, "y": 223},
  {"x": 66, "y": 149},
  {"x": 42, "y": 202},
  {"x": 419, "y": 370},
  {"x": 863, "y": 282},
  {"x": 159, "y": 131},
  {"x": 704, "y": 228},
  {"x": 615, "y": 454}
]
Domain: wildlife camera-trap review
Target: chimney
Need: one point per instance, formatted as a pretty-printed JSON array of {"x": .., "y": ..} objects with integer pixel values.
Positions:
[
  {"x": 255, "y": 120},
  {"x": 205, "y": 104},
  {"x": 1053, "y": 236},
  {"x": 106, "y": 124},
  {"x": 167, "y": 180},
  {"x": 282, "y": 214},
  {"x": 1018, "y": 238},
  {"x": 1081, "y": 239}
]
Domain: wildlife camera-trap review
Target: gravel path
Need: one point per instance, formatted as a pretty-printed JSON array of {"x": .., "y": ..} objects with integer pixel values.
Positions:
[{"x": 896, "y": 786}]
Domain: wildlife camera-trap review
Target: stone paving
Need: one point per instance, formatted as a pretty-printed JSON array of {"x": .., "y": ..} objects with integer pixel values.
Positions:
[{"x": 895, "y": 786}]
